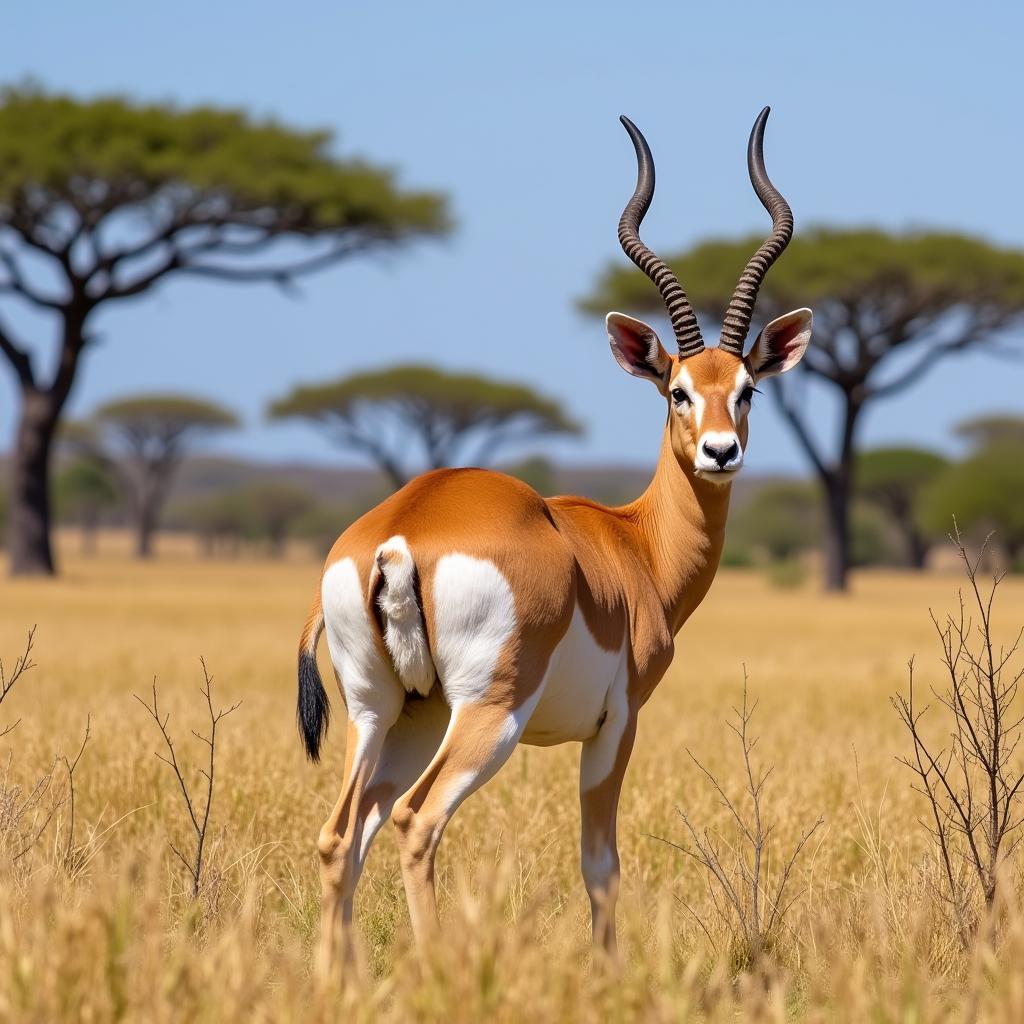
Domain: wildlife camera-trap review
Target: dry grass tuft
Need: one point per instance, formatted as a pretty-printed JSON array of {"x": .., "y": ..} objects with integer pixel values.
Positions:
[{"x": 111, "y": 931}]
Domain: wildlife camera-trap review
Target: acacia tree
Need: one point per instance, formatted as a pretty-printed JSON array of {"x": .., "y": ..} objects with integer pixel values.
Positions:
[
  {"x": 276, "y": 508},
  {"x": 986, "y": 493},
  {"x": 994, "y": 429},
  {"x": 147, "y": 436},
  {"x": 84, "y": 489},
  {"x": 893, "y": 479},
  {"x": 783, "y": 519},
  {"x": 102, "y": 200},
  {"x": 449, "y": 417},
  {"x": 219, "y": 521},
  {"x": 887, "y": 309}
]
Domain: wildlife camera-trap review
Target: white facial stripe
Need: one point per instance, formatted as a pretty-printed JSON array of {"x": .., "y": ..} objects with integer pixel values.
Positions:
[
  {"x": 724, "y": 440},
  {"x": 721, "y": 440},
  {"x": 685, "y": 381},
  {"x": 742, "y": 381}
]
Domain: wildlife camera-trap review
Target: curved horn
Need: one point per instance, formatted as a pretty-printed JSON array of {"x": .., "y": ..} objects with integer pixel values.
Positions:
[
  {"x": 684, "y": 321},
  {"x": 736, "y": 323}
]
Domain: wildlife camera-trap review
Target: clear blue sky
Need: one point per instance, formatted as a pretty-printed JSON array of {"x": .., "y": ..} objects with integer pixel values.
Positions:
[{"x": 894, "y": 114}]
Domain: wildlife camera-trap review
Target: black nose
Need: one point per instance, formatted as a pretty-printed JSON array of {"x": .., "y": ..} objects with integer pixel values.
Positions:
[{"x": 723, "y": 454}]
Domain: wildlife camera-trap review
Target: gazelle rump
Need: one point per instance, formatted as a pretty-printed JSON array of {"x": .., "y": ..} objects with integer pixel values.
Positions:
[{"x": 466, "y": 613}]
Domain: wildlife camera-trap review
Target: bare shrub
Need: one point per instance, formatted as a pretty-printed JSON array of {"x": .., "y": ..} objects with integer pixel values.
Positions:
[
  {"x": 200, "y": 821},
  {"x": 25, "y": 811},
  {"x": 973, "y": 782},
  {"x": 74, "y": 855},
  {"x": 745, "y": 890},
  {"x": 22, "y": 664}
]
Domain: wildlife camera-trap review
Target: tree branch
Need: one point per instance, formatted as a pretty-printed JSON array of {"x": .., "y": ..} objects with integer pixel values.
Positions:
[
  {"x": 285, "y": 273},
  {"x": 351, "y": 436},
  {"x": 18, "y": 358},
  {"x": 929, "y": 357},
  {"x": 800, "y": 429}
]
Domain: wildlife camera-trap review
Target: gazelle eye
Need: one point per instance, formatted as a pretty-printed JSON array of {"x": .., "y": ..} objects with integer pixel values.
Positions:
[
  {"x": 679, "y": 396},
  {"x": 747, "y": 394}
]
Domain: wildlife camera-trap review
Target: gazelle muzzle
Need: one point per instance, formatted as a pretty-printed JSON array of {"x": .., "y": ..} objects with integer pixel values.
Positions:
[{"x": 718, "y": 451}]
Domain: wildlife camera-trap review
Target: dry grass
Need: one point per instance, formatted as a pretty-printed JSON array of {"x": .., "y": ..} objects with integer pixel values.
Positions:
[{"x": 117, "y": 938}]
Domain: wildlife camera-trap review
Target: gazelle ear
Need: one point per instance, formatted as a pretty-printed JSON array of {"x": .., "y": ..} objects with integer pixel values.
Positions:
[
  {"x": 637, "y": 349},
  {"x": 781, "y": 345}
]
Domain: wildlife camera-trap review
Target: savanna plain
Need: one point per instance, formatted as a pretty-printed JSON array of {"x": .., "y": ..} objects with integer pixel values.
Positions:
[{"x": 99, "y": 923}]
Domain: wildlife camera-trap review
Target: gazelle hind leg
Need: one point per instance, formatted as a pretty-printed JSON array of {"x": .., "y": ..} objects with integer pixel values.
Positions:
[
  {"x": 479, "y": 740},
  {"x": 374, "y": 698},
  {"x": 339, "y": 839},
  {"x": 345, "y": 840},
  {"x": 602, "y": 768},
  {"x": 408, "y": 748}
]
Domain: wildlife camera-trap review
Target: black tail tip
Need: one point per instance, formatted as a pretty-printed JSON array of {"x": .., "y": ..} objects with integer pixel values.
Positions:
[{"x": 314, "y": 711}]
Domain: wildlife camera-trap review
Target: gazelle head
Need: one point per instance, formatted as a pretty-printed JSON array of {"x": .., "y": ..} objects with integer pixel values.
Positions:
[{"x": 709, "y": 390}]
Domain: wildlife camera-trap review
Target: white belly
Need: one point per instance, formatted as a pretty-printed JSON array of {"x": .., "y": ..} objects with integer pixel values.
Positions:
[{"x": 575, "y": 688}]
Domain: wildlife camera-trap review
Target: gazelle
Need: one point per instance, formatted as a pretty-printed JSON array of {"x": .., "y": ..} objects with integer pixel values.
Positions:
[{"x": 466, "y": 613}]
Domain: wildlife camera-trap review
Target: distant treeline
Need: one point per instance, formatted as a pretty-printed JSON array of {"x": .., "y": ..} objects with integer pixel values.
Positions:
[
  {"x": 233, "y": 507},
  {"x": 905, "y": 500},
  {"x": 104, "y": 199},
  {"x": 904, "y": 497}
]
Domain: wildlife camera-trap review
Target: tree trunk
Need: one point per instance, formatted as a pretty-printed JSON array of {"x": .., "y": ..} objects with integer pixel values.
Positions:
[
  {"x": 837, "y": 531},
  {"x": 153, "y": 483},
  {"x": 28, "y": 536},
  {"x": 90, "y": 527},
  {"x": 28, "y": 539},
  {"x": 145, "y": 528},
  {"x": 836, "y": 479},
  {"x": 917, "y": 549},
  {"x": 838, "y": 483},
  {"x": 1012, "y": 548}
]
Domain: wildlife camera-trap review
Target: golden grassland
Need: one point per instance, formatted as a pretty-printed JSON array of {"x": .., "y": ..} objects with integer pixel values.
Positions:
[{"x": 116, "y": 937}]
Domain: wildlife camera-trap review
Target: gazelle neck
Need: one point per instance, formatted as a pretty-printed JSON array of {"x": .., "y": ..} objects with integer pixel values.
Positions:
[{"x": 682, "y": 520}]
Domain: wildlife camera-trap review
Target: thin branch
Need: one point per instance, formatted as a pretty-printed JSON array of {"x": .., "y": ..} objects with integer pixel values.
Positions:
[
  {"x": 200, "y": 823},
  {"x": 801, "y": 429},
  {"x": 17, "y": 285},
  {"x": 70, "y": 849},
  {"x": 754, "y": 909},
  {"x": 22, "y": 664},
  {"x": 973, "y": 799}
]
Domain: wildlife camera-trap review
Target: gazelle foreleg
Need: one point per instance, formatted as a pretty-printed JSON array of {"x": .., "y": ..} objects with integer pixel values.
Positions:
[
  {"x": 479, "y": 740},
  {"x": 602, "y": 767}
]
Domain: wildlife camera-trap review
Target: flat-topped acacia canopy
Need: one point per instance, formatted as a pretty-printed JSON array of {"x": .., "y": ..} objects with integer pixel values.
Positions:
[
  {"x": 922, "y": 295},
  {"x": 102, "y": 199}
]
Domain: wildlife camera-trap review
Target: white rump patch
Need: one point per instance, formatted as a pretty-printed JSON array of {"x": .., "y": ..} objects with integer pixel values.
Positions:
[
  {"x": 373, "y": 695},
  {"x": 475, "y": 617},
  {"x": 404, "y": 634}
]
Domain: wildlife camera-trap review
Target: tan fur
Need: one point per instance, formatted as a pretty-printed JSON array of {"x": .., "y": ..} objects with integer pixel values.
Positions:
[
  {"x": 636, "y": 572},
  {"x": 312, "y": 629}
]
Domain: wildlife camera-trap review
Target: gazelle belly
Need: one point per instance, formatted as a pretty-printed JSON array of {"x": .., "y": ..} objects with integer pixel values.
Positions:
[{"x": 575, "y": 690}]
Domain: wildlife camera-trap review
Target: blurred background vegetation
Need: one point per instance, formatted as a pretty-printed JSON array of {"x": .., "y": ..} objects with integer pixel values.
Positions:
[{"x": 101, "y": 200}]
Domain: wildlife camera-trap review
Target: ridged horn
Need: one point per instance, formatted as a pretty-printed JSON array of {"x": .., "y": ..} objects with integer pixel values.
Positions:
[
  {"x": 736, "y": 323},
  {"x": 684, "y": 320}
]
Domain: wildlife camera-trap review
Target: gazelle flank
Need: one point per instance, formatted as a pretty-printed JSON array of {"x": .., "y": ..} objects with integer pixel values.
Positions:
[{"x": 466, "y": 614}]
